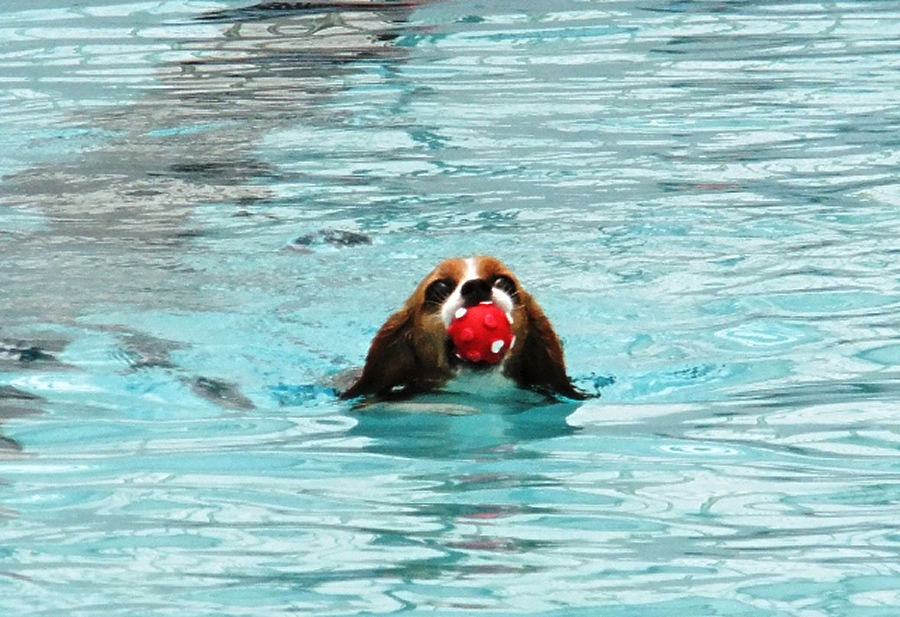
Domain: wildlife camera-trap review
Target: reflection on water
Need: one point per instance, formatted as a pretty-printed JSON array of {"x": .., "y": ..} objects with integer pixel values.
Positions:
[
  {"x": 457, "y": 427},
  {"x": 209, "y": 208},
  {"x": 125, "y": 201}
]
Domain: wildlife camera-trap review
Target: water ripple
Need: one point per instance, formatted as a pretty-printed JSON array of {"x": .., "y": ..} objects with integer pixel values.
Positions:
[{"x": 702, "y": 196}]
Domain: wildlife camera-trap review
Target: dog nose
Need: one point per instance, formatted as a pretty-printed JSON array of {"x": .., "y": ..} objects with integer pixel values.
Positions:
[{"x": 475, "y": 291}]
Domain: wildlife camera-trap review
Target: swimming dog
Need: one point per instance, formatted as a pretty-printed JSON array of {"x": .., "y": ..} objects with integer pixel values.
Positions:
[{"x": 413, "y": 352}]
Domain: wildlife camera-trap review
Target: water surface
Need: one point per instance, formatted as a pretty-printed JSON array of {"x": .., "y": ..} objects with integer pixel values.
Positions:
[{"x": 209, "y": 207}]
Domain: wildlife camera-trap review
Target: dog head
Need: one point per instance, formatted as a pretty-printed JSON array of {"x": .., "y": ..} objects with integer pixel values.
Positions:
[{"x": 413, "y": 352}]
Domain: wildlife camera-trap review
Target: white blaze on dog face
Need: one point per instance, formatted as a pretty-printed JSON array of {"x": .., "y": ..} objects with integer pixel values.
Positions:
[
  {"x": 455, "y": 301},
  {"x": 475, "y": 268}
]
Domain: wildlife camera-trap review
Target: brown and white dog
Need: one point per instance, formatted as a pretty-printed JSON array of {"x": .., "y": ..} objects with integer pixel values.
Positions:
[{"x": 413, "y": 353}]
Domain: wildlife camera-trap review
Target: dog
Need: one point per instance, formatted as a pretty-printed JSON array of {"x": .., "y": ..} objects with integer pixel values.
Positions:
[{"x": 413, "y": 352}]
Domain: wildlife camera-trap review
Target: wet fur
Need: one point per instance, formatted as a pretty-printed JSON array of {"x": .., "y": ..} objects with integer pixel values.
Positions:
[{"x": 409, "y": 353}]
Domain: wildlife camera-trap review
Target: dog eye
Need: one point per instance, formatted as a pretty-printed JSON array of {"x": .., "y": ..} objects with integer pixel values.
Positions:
[
  {"x": 438, "y": 291},
  {"x": 506, "y": 285}
]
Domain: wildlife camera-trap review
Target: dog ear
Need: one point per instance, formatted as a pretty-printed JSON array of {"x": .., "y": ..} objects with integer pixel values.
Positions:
[
  {"x": 541, "y": 364},
  {"x": 391, "y": 360}
]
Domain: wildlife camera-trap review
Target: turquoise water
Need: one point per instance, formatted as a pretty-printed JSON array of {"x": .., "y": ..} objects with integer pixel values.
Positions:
[{"x": 208, "y": 209}]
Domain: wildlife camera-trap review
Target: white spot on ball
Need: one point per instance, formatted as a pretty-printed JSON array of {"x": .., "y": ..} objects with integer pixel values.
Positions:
[
  {"x": 496, "y": 346},
  {"x": 460, "y": 312}
]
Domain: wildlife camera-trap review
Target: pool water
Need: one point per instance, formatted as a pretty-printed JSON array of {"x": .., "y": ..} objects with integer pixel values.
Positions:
[{"x": 209, "y": 207}]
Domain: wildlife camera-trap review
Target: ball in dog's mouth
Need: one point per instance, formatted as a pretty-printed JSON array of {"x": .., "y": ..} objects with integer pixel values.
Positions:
[{"x": 481, "y": 334}]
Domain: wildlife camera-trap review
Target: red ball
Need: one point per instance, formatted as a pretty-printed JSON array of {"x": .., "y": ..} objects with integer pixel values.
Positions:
[{"x": 481, "y": 333}]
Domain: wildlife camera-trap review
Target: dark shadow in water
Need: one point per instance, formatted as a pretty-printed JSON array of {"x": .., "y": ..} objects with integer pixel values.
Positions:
[
  {"x": 32, "y": 354},
  {"x": 882, "y": 386},
  {"x": 269, "y": 10},
  {"x": 14, "y": 403},
  {"x": 24, "y": 356}
]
